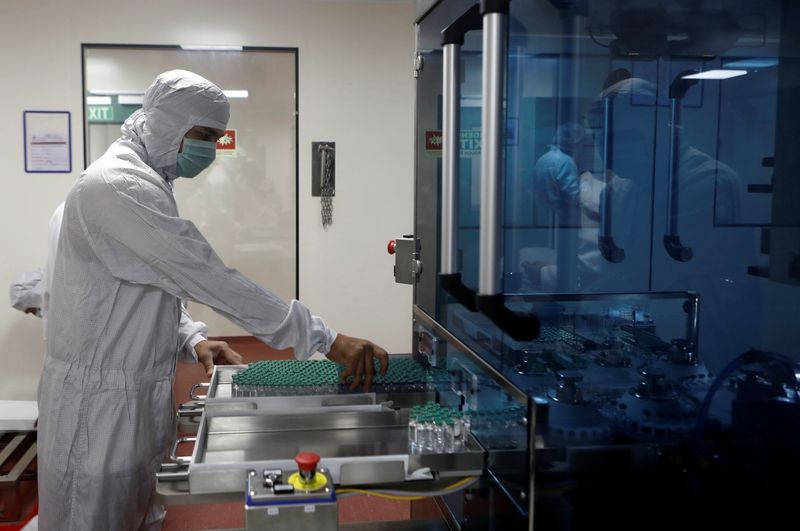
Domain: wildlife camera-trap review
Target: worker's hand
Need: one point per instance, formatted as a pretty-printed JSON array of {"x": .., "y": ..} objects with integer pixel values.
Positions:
[
  {"x": 216, "y": 352},
  {"x": 357, "y": 356}
]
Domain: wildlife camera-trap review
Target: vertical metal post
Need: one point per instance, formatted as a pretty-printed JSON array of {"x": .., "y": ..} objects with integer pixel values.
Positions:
[
  {"x": 450, "y": 146},
  {"x": 693, "y": 322},
  {"x": 531, "y": 461},
  {"x": 492, "y": 129},
  {"x": 452, "y": 40},
  {"x": 608, "y": 164},
  {"x": 674, "y": 165},
  {"x": 672, "y": 241},
  {"x": 605, "y": 237}
]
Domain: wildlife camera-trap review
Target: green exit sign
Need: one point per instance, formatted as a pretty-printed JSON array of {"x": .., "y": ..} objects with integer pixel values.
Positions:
[{"x": 101, "y": 113}]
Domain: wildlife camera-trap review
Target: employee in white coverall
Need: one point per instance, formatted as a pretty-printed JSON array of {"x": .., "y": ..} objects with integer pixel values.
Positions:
[
  {"x": 125, "y": 260},
  {"x": 35, "y": 295},
  {"x": 30, "y": 292}
]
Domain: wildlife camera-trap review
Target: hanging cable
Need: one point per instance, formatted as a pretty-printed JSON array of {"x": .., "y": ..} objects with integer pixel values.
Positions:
[{"x": 408, "y": 495}]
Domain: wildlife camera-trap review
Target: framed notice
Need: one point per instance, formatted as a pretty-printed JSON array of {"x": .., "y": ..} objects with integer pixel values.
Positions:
[{"x": 48, "y": 141}]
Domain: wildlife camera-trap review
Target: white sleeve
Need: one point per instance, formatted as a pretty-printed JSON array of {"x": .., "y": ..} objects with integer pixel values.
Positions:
[
  {"x": 142, "y": 245},
  {"x": 190, "y": 333},
  {"x": 53, "y": 233},
  {"x": 25, "y": 291}
]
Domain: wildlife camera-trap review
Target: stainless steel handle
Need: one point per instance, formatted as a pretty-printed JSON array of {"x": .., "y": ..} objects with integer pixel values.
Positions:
[
  {"x": 692, "y": 307},
  {"x": 490, "y": 299},
  {"x": 672, "y": 240},
  {"x": 493, "y": 75},
  {"x": 173, "y": 455},
  {"x": 190, "y": 410},
  {"x": 451, "y": 91},
  {"x": 452, "y": 40},
  {"x": 674, "y": 164},
  {"x": 196, "y": 386},
  {"x": 165, "y": 477},
  {"x": 170, "y": 472},
  {"x": 605, "y": 237}
]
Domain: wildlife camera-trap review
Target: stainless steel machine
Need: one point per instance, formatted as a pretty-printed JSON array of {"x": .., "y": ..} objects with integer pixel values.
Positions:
[
  {"x": 604, "y": 262},
  {"x": 604, "y": 256},
  {"x": 289, "y": 454}
]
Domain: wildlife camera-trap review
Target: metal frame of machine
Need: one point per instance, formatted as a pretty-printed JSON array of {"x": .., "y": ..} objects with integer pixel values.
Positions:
[{"x": 243, "y": 443}]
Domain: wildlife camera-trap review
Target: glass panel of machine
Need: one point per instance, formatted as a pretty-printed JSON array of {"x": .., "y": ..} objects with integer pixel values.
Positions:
[
  {"x": 650, "y": 220},
  {"x": 651, "y": 152}
]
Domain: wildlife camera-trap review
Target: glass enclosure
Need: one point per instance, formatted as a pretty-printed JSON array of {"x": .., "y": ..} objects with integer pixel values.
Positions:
[
  {"x": 648, "y": 219},
  {"x": 245, "y": 204}
]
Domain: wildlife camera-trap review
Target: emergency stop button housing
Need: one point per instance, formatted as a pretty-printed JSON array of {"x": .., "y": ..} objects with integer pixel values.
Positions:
[
  {"x": 407, "y": 265},
  {"x": 307, "y": 464}
]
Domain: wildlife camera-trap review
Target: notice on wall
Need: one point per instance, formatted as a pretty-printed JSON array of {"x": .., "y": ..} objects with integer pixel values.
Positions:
[
  {"x": 48, "y": 141},
  {"x": 226, "y": 145},
  {"x": 469, "y": 143}
]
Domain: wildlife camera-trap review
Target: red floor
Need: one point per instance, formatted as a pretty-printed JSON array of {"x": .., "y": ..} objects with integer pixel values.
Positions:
[{"x": 231, "y": 515}]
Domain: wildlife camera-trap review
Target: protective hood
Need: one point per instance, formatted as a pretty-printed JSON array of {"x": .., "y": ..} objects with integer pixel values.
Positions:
[{"x": 176, "y": 101}]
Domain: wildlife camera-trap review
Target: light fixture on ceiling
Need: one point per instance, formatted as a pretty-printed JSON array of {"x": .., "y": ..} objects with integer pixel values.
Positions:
[
  {"x": 116, "y": 92},
  {"x": 755, "y": 62},
  {"x": 130, "y": 99},
  {"x": 231, "y": 94},
  {"x": 716, "y": 74},
  {"x": 98, "y": 100},
  {"x": 211, "y": 48}
]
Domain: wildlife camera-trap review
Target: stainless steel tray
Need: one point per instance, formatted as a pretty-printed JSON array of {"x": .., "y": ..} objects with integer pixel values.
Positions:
[{"x": 358, "y": 447}]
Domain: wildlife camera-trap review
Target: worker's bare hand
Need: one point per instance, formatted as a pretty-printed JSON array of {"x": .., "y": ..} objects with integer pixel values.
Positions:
[
  {"x": 216, "y": 352},
  {"x": 357, "y": 356}
]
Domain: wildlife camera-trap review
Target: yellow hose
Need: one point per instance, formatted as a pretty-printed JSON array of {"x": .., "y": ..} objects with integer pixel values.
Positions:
[{"x": 404, "y": 498}]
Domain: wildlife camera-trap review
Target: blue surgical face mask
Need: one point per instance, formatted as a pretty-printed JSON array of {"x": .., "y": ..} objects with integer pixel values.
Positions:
[{"x": 196, "y": 156}]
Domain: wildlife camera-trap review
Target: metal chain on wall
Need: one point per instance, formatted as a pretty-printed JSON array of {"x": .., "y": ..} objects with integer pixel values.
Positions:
[{"x": 326, "y": 196}]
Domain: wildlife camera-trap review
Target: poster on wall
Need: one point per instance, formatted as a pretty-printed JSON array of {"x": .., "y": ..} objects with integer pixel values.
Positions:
[
  {"x": 48, "y": 141},
  {"x": 226, "y": 145}
]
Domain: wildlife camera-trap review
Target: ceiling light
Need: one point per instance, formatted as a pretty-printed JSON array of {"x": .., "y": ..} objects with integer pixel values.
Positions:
[
  {"x": 716, "y": 74},
  {"x": 116, "y": 92},
  {"x": 211, "y": 48},
  {"x": 236, "y": 93},
  {"x": 130, "y": 99},
  {"x": 98, "y": 100},
  {"x": 755, "y": 62}
]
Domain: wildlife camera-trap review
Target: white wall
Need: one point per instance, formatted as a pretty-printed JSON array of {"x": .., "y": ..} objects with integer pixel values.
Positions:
[{"x": 355, "y": 87}]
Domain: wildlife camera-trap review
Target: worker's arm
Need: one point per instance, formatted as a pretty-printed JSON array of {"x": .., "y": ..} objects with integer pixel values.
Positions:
[
  {"x": 190, "y": 333},
  {"x": 140, "y": 244},
  {"x": 25, "y": 292}
]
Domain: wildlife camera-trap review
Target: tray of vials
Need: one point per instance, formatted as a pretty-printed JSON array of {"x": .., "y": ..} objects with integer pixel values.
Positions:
[{"x": 319, "y": 377}]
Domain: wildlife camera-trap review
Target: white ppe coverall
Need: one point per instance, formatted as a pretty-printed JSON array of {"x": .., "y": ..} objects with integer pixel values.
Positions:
[{"x": 125, "y": 260}]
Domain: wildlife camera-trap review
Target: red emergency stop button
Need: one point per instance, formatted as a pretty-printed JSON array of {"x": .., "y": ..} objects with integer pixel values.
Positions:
[
  {"x": 307, "y": 461},
  {"x": 390, "y": 247}
]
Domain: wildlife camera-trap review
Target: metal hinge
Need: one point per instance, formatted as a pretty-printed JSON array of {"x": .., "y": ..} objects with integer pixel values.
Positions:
[{"x": 419, "y": 64}]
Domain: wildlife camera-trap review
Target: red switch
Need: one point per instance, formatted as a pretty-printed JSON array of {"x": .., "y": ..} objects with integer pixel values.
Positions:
[
  {"x": 307, "y": 464},
  {"x": 390, "y": 247}
]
